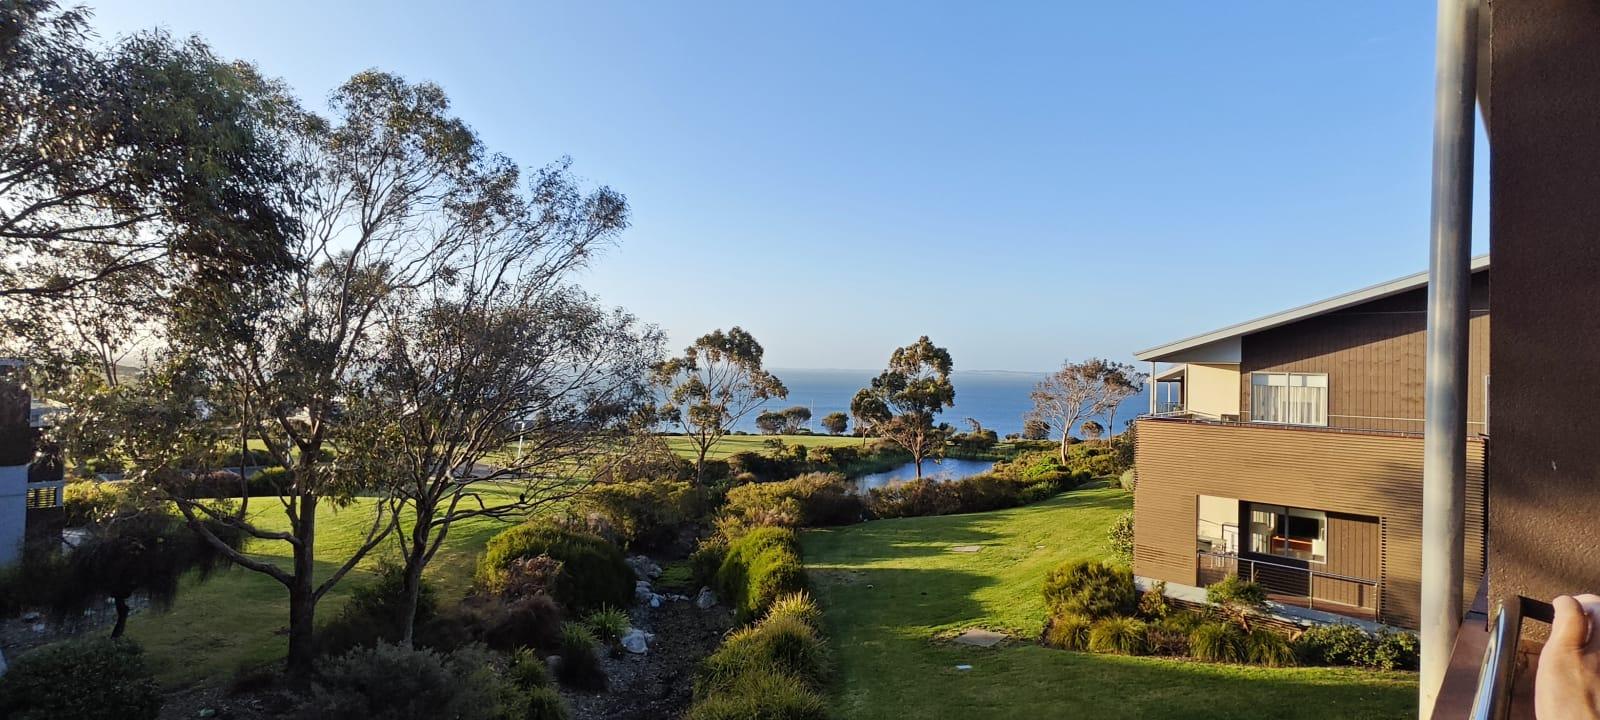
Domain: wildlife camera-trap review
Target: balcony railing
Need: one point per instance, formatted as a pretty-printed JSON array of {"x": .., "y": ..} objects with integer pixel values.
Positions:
[
  {"x": 1290, "y": 584},
  {"x": 1169, "y": 408},
  {"x": 43, "y": 495}
]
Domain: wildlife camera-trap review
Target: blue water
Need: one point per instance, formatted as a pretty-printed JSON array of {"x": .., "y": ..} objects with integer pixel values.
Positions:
[
  {"x": 999, "y": 400},
  {"x": 947, "y": 469}
]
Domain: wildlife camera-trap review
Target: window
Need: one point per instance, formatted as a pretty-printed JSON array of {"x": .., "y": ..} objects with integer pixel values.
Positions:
[
  {"x": 1289, "y": 532},
  {"x": 1290, "y": 398}
]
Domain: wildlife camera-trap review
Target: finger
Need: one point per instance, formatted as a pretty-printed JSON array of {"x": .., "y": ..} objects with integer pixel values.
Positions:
[
  {"x": 1570, "y": 630},
  {"x": 1591, "y": 609}
]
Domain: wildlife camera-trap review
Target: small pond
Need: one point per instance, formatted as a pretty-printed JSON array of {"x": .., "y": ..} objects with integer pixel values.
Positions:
[{"x": 943, "y": 470}]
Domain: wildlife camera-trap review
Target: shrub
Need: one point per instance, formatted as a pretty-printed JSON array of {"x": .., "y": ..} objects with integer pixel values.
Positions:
[
  {"x": 85, "y": 680},
  {"x": 580, "y": 659},
  {"x": 213, "y": 484},
  {"x": 644, "y": 515},
  {"x": 763, "y": 468},
  {"x": 1336, "y": 644},
  {"x": 1217, "y": 642},
  {"x": 1068, "y": 632},
  {"x": 84, "y": 501},
  {"x": 608, "y": 624},
  {"x": 798, "y": 606},
  {"x": 706, "y": 560},
  {"x": 1237, "y": 598},
  {"x": 1269, "y": 648},
  {"x": 270, "y": 482},
  {"x": 1395, "y": 650},
  {"x": 758, "y": 569},
  {"x": 375, "y": 613},
  {"x": 527, "y": 670},
  {"x": 545, "y": 704},
  {"x": 1121, "y": 635},
  {"x": 779, "y": 644},
  {"x": 762, "y": 695},
  {"x": 391, "y": 681},
  {"x": 810, "y": 500},
  {"x": 916, "y": 498},
  {"x": 1120, "y": 537},
  {"x": 1129, "y": 480},
  {"x": 593, "y": 573},
  {"x": 1167, "y": 637},
  {"x": 511, "y": 623},
  {"x": 1090, "y": 588},
  {"x": 1153, "y": 602}
]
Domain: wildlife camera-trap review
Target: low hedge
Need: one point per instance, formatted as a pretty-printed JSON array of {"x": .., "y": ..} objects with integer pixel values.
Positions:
[
  {"x": 1346, "y": 644},
  {"x": 100, "y": 679},
  {"x": 978, "y": 493},
  {"x": 810, "y": 500},
  {"x": 593, "y": 572},
  {"x": 644, "y": 515},
  {"x": 758, "y": 568}
]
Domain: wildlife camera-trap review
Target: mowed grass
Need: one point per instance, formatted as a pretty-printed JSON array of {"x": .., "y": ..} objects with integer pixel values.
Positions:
[
  {"x": 893, "y": 590},
  {"x": 730, "y": 444},
  {"x": 238, "y": 619}
]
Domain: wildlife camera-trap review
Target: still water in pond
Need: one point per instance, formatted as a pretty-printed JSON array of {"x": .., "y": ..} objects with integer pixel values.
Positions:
[{"x": 944, "y": 470}]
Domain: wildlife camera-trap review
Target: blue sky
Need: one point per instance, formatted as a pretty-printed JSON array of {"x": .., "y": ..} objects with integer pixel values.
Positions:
[{"x": 1022, "y": 182}]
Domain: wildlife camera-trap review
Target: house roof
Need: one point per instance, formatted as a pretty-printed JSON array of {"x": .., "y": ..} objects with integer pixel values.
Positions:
[{"x": 1220, "y": 338}]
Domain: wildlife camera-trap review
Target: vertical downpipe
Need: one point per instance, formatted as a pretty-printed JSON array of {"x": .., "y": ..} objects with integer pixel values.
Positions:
[{"x": 1449, "y": 282}]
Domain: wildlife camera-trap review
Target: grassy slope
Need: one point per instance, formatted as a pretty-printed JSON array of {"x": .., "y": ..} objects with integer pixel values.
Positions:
[
  {"x": 236, "y": 618},
  {"x": 889, "y": 586},
  {"x": 731, "y": 444}
]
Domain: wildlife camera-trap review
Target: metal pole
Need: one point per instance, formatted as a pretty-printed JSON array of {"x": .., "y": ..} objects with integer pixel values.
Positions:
[
  {"x": 1444, "y": 460},
  {"x": 1155, "y": 387}
]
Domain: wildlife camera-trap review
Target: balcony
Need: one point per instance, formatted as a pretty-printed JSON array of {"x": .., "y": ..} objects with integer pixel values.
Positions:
[{"x": 1293, "y": 586}]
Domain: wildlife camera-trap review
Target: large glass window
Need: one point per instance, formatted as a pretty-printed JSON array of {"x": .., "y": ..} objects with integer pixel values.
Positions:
[
  {"x": 1290, "y": 398},
  {"x": 1289, "y": 532}
]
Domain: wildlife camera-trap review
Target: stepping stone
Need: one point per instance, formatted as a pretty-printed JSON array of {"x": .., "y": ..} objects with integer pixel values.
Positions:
[
  {"x": 966, "y": 548},
  {"x": 980, "y": 638}
]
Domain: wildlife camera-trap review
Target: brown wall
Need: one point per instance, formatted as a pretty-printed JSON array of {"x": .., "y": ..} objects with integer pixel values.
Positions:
[
  {"x": 1355, "y": 549},
  {"x": 1361, "y": 474},
  {"x": 1373, "y": 355},
  {"x": 1544, "y": 219}
]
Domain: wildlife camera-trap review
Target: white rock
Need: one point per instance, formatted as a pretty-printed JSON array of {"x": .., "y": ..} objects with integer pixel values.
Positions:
[
  {"x": 644, "y": 567},
  {"x": 655, "y": 601},
  {"x": 636, "y": 641},
  {"x": 706, "y": 599},
  {"x": 642, "y": 592}
]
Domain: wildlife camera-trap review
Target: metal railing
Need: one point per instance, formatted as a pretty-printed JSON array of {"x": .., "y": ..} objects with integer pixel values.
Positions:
[
  {"x": 1284, "y": 580},
  {"x": 1492, "y": 698},
  {"x": 42, "y": 495},
  {"x": 1168, "y": 408}
]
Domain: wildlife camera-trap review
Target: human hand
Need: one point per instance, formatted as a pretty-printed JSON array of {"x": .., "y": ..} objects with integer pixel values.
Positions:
[{"x": 1567, "y": 686}]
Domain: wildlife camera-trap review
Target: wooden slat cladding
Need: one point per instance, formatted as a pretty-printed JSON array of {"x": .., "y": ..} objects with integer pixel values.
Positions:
[
  {"x": 1366, "y": 475},
  {"x": 1373, "y": 355},
  {"x": 1353, "y": 551}
]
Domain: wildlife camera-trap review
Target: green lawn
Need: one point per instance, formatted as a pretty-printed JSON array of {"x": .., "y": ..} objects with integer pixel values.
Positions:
[
  {"x": 730, "y": 444},
  {"x": 238, "y": 618},
  {"x": 892, "y": 589}
]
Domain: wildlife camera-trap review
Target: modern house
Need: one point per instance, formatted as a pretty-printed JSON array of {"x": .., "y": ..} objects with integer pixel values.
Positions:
[
  {"x": 1288, "y": 449},
  {"x": 30, "y": 491}
]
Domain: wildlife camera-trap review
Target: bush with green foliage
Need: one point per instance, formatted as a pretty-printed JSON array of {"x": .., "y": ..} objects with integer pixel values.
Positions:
[
  {"x": 1264, "y": 646},
  {"x": 399, "y": 683},
  {"x": 760, "y": 567},
  {"x": 1346, "y": 644},
  {"x": 593, "y": 573},
  {"x": 810, "y": 500},
  {"x": 1217, "y": 642},
  {"x": 798, "y": 606},
  {"x": 502, "y": 623},
  {"x": 580, "y": 659},
  {"x": 608, "y": 624},
  {"x": 764, "y": 467},
  {"x": 98, "y": 679},
  {"x": 1120, "y": 635},
  {"x": 1167, "y": 637},
  {"x": 1237, "y": 598},
  {"x": 375, "y": 613},
  {"x": 83, "y": 501},
  {"x": 762, "y": 695},
  {"x": 527, "y": 670},
  {"x": 706, "y": 560},
  {"x": 1094, "y": 458},
  {"x": 644, "y": 514},
  {"x": 1153, "y": 602},
  {"x": 1129, "y": 480},
  {"x": 1396, "y": 650},
  {"x": 1068, "y": 632},
  {"x": 1090, "y": 588},
  {"x": 1120, "y": 537},
  {"x": 781, "y": 644}
]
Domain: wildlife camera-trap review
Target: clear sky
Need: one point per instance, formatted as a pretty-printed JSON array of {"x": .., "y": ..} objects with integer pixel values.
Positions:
[{"x": 1022, "y": 182}]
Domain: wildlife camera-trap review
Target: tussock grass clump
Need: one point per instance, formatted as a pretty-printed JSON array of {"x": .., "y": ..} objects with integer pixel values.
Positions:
[
  {"x": 1068, "y": 632},
  {"x": 1269, "y": 648},
  {"x": 760, "y": 567},
  {"x": 762, "y": 695},
  {"x": 1217, "y": 642},
  {"x": 580, "y": 659},
  {"x": 780, "y": 644},
  {"x": 608, "y": 624},
  {"x": 1092, "y": 589},
  {"x": 798, "y": 606},
  {"x": 1120, "y": 635}
]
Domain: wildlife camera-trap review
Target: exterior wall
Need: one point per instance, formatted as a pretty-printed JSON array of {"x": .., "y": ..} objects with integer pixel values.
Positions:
[
  {"x": 1545, "y": 223},
  {"x": 1368, "y": 475},
  {"x": 1373, "y": 355},
  {"x": 1211, "y": 391}
]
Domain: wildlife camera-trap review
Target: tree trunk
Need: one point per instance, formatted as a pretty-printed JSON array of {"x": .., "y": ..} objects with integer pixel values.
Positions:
[
  {"x": 700, "y": 467},
  {"x": 1065, "y": 437},
  {"x": 122, "y": 617},
  {"x": 415, "y": 555},
  {"x": 302, "y": 593}
]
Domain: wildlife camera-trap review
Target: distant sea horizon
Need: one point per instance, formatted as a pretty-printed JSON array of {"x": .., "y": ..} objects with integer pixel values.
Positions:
[{"x": 996, "y": 398}]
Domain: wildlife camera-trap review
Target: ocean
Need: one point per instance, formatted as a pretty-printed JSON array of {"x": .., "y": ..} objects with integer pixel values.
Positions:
[{"x": 998, "y": 399}]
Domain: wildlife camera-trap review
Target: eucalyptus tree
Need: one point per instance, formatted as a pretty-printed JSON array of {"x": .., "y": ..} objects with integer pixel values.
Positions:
[
  {"x": 147, "y": 154},
  {"x": 904, "y": 401},
  {"x": 1079, "y": 390},
  {"x": 497, "y": 385},
  {"x": 717, "y": 381},
  {"x": 835, "y": 423},
  {"x": 869, "y": 411},
  {"x": 795, "y": 418}
]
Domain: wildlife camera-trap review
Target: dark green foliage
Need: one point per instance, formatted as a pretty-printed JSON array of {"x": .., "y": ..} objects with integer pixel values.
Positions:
[
  {"x": 1236, "y": 590},
  {"x": 99, "y": 679},
  {"x": 1153, "y": 603},
  {"x": 1217, "y": 642},
  {"x": 502, "y": 623},
  {"x": 545, "y": 703},
  {"x": 645, "y": 515},
  {"x": 527, "y": 670},
  {"x": 1068, "y": 632},
  {"x": 1095, "y": 458},
  {"x": 762, "y": 695},
  {"x": 1090, "y": 588},
  {"x": 835, "y": 423},
  {"x": 978, "y": 493},
  {"x": 706, "y": 560},
  {"x": 391, "y": 682},
  {"x": 760, "y": 567},
  {"x": 607, "y": 624},
  {"x": 1268, "y": 647},
  {"x": 764, "y": 467},
  {"x": 1346, "y": 644},
  {"x": 781, "y": 644},
  {"x": 1169, "y": 636},
  {"x": 1120, "y": 635},
  {"x": 580, "y": 659},
  {"x": 1120, "y": 537},
  {"x": 272, "y": 481},
  {"x": 810, "y": 500},
  {"x": 376, "y": 613},
  {"x": 593, "y": 573}
]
